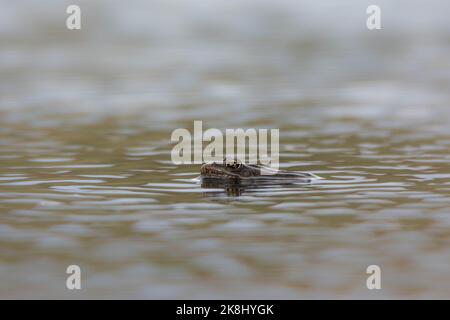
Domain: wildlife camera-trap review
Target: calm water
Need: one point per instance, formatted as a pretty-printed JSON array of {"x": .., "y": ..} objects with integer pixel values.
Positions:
[{"x": 86, "y": 176}]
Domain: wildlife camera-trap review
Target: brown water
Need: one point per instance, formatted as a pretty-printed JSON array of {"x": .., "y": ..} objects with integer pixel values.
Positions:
[{"x": 86, "y": 176}]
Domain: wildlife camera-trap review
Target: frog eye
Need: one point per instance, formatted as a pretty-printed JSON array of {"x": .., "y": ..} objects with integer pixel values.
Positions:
[{"x": 232, "y": 163}]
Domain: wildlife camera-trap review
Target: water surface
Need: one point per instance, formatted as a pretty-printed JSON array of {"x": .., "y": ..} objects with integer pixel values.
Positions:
[{"x": 86, "y": 176}]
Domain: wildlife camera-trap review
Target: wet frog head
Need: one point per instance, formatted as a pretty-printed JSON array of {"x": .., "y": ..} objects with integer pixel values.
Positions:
[
  {"x": 229, "y": 168},
  {"x": 232, "y": 169}
]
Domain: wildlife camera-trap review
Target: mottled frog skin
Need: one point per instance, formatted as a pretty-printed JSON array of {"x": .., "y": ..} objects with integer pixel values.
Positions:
[{"x": 235, "y": 170}]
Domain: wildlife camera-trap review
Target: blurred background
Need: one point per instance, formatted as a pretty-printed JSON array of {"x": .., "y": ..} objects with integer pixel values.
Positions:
[{"x": 85, "y": 171}]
